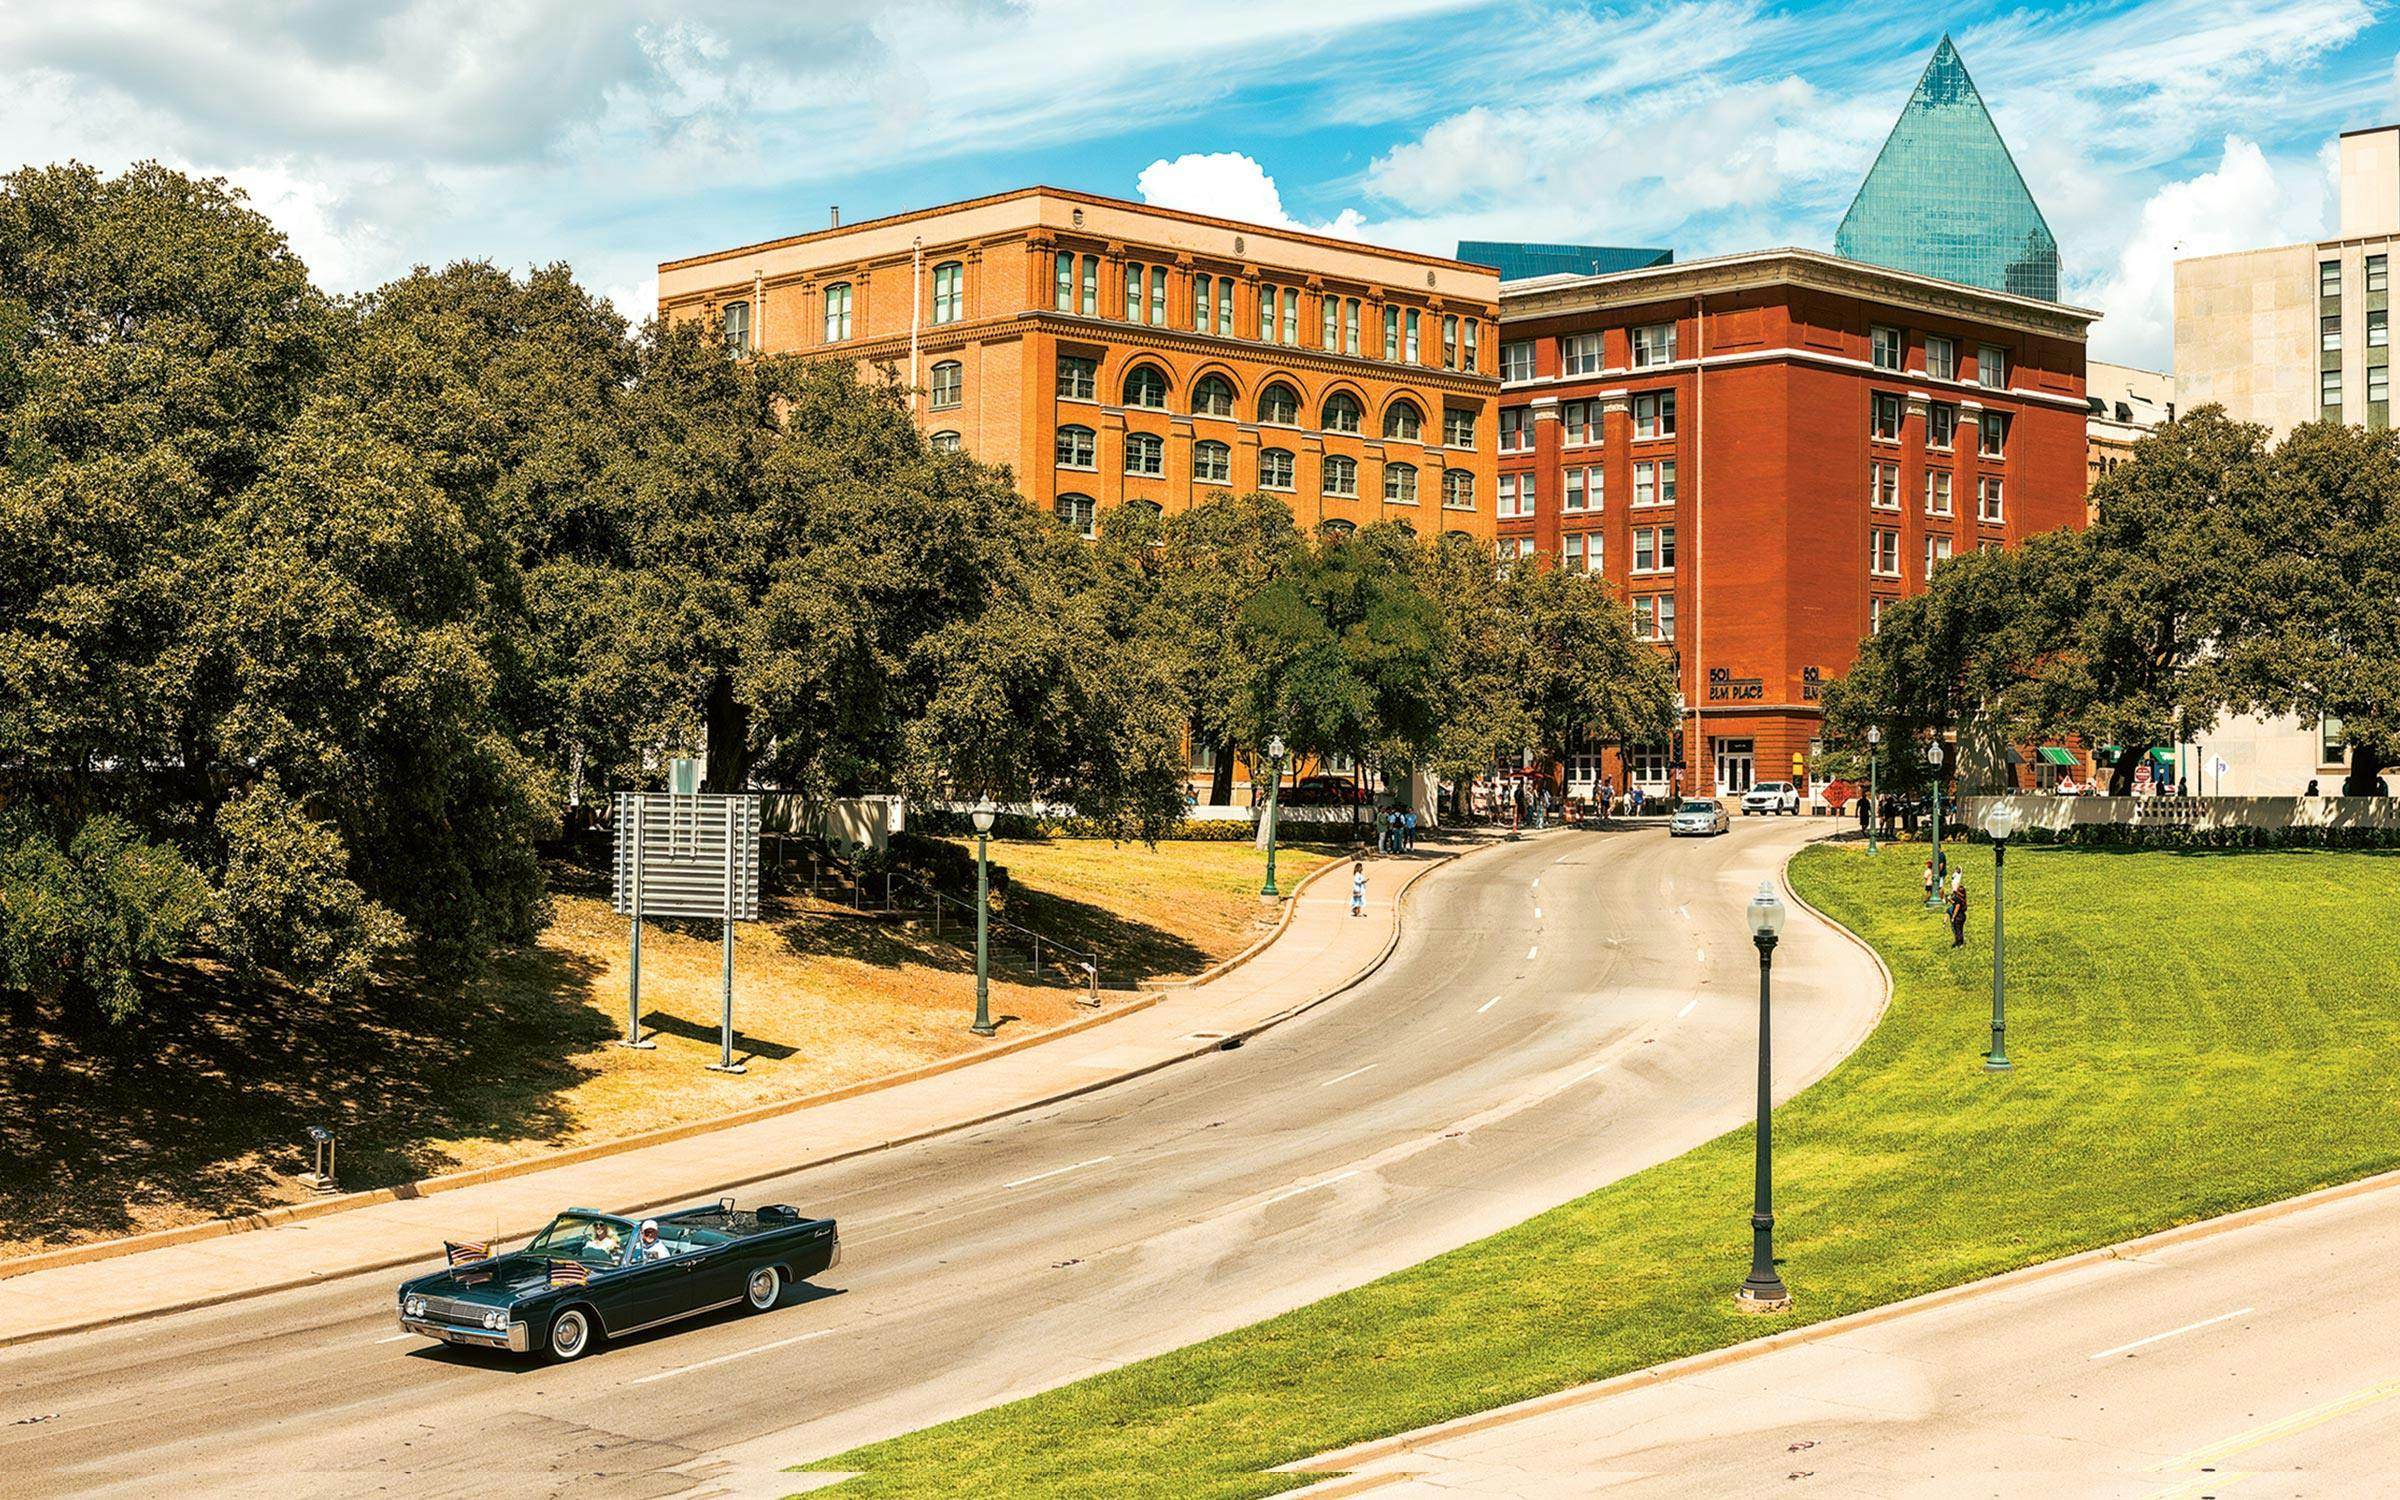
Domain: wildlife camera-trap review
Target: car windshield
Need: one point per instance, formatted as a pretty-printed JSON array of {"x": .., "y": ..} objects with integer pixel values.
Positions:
[
  {"x": 1699, "y": 807},
  {"x": 595, "y": 1239}
]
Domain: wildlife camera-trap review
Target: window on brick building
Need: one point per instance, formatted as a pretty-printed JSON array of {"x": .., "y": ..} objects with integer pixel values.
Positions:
[
  {"x": 1146, "y": 386},
  {"x": 1400, "y": 484},
  {"x": 1941, "y": 425},
  {"x": 1585, "y": 489},
  {"x": 1989, "y": 506},
  {"x": 737, "y": 327},
  {"x": 1937, "y": 492},
  {"x": 1883, "y": 486},
  {"x": 1331, "y": 307},
  {"x": 1654, "y": 619},
  {"x": 1291, "y": 315},
  {"x": 1645, "y": 482},
  {"x": 1458, "y": 427},
  {"x": 1580, "y": 354},
  {"x": 1411, "y": 351},
  {"x": 837, "y": 312},
  {"x": 1134, "y": 273},
  {"x": 1077, "y": 449},
  {"x": 1212, "y": 397},
  {"x": 1654, "y": 414},
  {"x": 1158, "y": 295},
  {"x": 1266, "y": 315},
  {"x": 1875, "y": 609},
  {"x": 1937, "y": 551},
  {"x": 1338, "y": 529},
  {"x": 1225, "y": 313},
  {"x": 1890, "y": 348},
  {"x": 1516, "y": 360},
  {"x": 1469, "y": 358},
  {"x": 1458, "y": 489},
  {"x": 1653, "y": 344},
  {"x": 1091, "y": 286},
  {"x": 1349, "y": 325},
  {"x": 1145, "y": 453},
  {"x": 1991, "y": 367},
  {"x": 1449, "y": 341},
  {"x": 1402, "y": 420},
  {"x": 1280, "y": 405},
  {"x": 1516, "y": 495},
  {"x": 1516, "y": 429},
  {"x": 1884, "y": 418},
  {"x": 1570, "y": 552},
  {"x": 949, "y": 384},
  {"x": 1341, "y": 476},
  {"x": 942, "y": 442},
  {"x": 949, "y": 292},
  {"x": 1941, "y": 358},
  {"x": 1078, "y": 512},
  {"x": 1578, "y": 422},
  {"x": 1883, "y": 553},
  {"x": 1212, "y": 463},
  {"x": 1078, "y": 379},
  {"x": 1275, "y": 469},
  {"x": 1204, "y": 302},
  {"x": 1391, "y": 333},
  {"x": 1342, "y": 413},
  {"x": 1064, "y": 291},
  {"x": 1993, "y": 439}
]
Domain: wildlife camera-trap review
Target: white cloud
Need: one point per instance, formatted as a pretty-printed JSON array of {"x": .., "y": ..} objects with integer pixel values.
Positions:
[
  {"x": 2246, "y": 201},
  {"x": 1229, "y": 185}
]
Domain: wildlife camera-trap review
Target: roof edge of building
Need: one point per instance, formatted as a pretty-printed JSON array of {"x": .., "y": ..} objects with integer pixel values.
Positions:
[
  {"x": 1039, "y": 190},
  {"x": 1718, "y": 266}
]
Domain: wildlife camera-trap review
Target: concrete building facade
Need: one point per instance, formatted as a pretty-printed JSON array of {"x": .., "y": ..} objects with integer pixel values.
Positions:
[
  {"x": 1760, "y": 452},
  {"x": 2126, "y": 402},
  {"x": 1112, "y": 353}
]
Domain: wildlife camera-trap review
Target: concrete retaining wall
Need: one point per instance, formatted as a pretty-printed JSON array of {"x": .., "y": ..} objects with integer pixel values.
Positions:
[{"x": 2057, "y": 814}]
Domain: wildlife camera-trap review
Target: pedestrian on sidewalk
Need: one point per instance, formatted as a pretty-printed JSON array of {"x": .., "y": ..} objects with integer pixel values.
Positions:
[
  {"x": 1358, "y": 889},
  {"x": 1408, "y": 830},
  {"x": 1958, "y": 914},
  {"x": 1866, "y": 815}
]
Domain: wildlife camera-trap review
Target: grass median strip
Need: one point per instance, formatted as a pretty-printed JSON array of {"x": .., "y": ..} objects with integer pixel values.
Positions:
[{"x": 2192, "y": 1033}]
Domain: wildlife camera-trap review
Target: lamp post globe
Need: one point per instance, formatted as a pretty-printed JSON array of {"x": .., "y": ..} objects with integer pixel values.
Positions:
[
  {"x": 984, "y": 815},
  {"x": 1763, "y": 1291},
  {"x": 1274, "y": 787},
  {"x": 1933, "y": 758},
  {"x": 1999, "y": 820},
  {"x": 1874, "y": 797}
]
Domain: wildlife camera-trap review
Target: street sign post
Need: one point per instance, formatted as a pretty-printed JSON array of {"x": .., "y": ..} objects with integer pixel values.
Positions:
[{"x": 686, "y": 854}]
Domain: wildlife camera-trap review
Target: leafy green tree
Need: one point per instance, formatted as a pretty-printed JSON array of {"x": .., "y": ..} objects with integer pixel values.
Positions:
[
  {"x": 80, "y": 924},
  {"x": 1579, "y": 668}
]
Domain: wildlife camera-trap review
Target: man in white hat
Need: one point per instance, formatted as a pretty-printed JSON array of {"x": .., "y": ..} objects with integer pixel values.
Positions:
[{"x": 650, "y": 1246}]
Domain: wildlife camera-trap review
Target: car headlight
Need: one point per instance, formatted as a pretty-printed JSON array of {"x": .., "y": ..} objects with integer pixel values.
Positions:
[
  {"x": 413, "y": 1305},
  {"x": 496, "y": 1319}
]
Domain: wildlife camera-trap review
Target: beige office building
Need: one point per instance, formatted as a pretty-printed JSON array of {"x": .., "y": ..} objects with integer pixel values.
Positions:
[{"x": 2282, "y": 336}]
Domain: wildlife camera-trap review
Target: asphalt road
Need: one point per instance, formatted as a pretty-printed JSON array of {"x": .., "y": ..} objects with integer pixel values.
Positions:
[
  {"x": 1559, "y": 1012},
  {"x": 2260, "y": 1362}
]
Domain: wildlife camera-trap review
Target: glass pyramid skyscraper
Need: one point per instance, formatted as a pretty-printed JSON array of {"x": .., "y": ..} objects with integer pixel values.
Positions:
[{"x": 1944, "y": 197}]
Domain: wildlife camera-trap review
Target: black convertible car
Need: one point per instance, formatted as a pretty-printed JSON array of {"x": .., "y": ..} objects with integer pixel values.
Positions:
[{"x": 589, "y": 1275}]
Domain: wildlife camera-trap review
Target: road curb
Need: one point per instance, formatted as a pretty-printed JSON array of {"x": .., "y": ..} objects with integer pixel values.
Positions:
[{"x": 222, "y": 1227}]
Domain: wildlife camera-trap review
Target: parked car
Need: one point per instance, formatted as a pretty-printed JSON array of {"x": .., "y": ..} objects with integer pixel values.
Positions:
[
  {"x": 1771, "y": 797},
  {"x": 1325, "y": 791},
  {"x": 1699, "y": 816},
  {"x": 584, "y": 1279}
]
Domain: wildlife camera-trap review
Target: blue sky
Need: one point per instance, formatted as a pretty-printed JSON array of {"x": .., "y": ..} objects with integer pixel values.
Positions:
[{"x": 613, "y": 134}]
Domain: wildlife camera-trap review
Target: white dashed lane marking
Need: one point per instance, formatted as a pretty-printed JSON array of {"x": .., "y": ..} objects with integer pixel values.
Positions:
[{"x": 1056, "y": 1171}]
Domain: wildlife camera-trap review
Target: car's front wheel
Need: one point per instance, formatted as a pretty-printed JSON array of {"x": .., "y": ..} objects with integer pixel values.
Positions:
[
  {"x": 570, "y": 1334},
  {"x": 765, "y": 1288}
]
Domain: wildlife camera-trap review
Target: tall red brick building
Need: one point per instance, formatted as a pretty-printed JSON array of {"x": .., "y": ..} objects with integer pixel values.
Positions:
[{"x": 1759, "y": 452}]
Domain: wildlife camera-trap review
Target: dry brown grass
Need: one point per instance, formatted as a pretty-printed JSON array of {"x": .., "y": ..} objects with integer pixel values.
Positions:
[{"x": 197, "y": 1110}]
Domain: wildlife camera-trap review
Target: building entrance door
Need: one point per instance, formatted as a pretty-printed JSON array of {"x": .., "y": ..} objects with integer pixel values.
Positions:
[{"x": 1736, "y": 766}]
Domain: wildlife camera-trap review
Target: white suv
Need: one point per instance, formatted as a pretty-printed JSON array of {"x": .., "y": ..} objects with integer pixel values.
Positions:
[{"x": 1772, "y": 797}]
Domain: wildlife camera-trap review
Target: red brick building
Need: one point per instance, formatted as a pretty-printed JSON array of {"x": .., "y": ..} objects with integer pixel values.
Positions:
[{"x": 1757, "y": 452}]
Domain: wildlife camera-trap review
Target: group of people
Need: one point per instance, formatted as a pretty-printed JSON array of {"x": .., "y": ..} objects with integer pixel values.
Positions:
[{"x": 1398, "y": 834}]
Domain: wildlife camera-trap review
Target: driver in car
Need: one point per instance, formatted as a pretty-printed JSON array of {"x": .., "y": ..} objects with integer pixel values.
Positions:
[
  {"x": 603, "y": 1241},
  {"x": 650, "y": 1246}
]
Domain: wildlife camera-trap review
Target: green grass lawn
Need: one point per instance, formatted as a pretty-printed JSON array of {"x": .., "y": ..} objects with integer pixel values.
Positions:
[{"x": 2192, "y": 1033}]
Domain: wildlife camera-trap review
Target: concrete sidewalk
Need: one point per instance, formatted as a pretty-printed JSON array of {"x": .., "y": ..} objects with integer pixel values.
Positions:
[{"x": 1321, "y": 952}]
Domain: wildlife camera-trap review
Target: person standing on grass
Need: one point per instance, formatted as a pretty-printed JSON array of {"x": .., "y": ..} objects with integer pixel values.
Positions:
[
  {"x": 1866, "y": 815},
  {"x": 1929, "y": 891},
  {"x": 1958, "y": 914},
  {"x": 1358, "y": 889}
]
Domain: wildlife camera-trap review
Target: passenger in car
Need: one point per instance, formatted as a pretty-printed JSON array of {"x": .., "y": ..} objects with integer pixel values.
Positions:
[
  {"x": 650, "y": 1246},
  {"x": 603, "y": 1241}
]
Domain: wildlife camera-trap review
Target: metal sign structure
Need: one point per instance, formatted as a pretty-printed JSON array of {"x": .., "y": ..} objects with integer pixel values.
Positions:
[{"x": 685, "y": 854}]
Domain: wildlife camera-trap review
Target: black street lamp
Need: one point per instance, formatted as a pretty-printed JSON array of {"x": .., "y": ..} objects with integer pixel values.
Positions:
[
  {"x": 984, "y": 814},
  {"x": 1874, "y": 812},
  {"x": 1274, "y": 786},
  {"x": 1999, "y": 820},
  {"x": 1764, "y": 1291}
]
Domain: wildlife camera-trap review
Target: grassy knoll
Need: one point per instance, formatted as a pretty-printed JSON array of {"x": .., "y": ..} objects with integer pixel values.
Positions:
[
  {"x": 2192, "y": 1033},
  {"x": 199, "y": 1108}
]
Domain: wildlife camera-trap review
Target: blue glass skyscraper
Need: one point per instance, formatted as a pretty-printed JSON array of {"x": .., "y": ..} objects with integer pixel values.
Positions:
[{"x": 1944, "y": 197}]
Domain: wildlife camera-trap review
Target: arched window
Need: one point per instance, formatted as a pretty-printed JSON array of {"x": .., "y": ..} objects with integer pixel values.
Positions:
[
  {"x": 1147, "y": 507},
  {"x": 1341, "y": 476},
  {"x": 1145, "y": 386},
  {"x": 1400, "y": 484},
  {"x": 1279, "y": 404},
  {"x": 1076, "y": 449},
  {"x": 1402, "y": 420},
  {"x": 1458, "y": 489},
  {"x": 1212, "y": 397},
  {"x": 943, "y": 442},
  {"x": 1212, "y": 463},
  {"x": 1145, "y": 453},
  {"x": 1341, "y": 413},
  {"x": 1275, "y": 469},
  {"x": 1405, "y": 528},
  {"x": 1338, "y": 529},
  {"x": 949, "y": 292},
  {"x": 837, "y": 312},
  {"x": 1077, "y": 511},
  {"x": 949, "y": 384}
]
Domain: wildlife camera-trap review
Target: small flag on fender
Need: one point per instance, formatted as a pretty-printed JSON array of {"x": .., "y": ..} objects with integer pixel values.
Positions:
[
  {"x": 569, "y": 1273},
  {"x": 467, "y": 1252}
]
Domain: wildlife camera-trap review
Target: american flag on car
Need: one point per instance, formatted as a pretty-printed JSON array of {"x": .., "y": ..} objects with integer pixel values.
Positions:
[
  {"x": 569, "y": 1273},
  {"x": 467, "y": 1252}
]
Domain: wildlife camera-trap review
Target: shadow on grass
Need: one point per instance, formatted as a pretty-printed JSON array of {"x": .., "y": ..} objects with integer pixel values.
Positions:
[
  {"x": 206, "y": 1098},
  {"x": 1130, "y": 951},
  {"x": 745, "y": 1046}
]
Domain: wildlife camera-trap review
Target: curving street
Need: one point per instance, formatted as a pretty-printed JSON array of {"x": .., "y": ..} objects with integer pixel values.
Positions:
[{"x": 1559, "y": 1012}]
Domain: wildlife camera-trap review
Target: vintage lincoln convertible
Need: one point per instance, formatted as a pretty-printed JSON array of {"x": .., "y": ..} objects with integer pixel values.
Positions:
[{"x": 589, "y": 1275}]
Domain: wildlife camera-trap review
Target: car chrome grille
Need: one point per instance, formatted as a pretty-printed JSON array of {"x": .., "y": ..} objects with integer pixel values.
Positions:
[{"x": 450, "y": 1310}]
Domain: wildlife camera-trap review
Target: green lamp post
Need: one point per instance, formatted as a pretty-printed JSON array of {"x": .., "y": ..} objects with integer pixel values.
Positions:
[
  {"x": 1933, "y": 758},
  {"x": 1274, "y": 770},
  {"x": 1763, "y": 1291},
  {"x": 1874, "y": 801},
  {"x": 983, "y": 814},
  {"x": 1999, "y": 820}
]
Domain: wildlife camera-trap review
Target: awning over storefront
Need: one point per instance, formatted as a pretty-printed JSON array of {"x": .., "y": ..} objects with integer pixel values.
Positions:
[{"x": 2058, "y": 755}]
